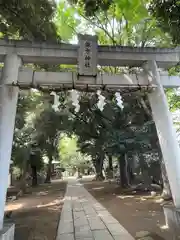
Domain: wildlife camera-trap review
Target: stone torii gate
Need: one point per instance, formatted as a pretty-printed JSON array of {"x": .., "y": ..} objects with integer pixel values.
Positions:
[{"x": 87, "y": 55}]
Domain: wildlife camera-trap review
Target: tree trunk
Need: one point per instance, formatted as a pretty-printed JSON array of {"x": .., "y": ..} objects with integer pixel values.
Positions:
[
  {"x": 146, "y": 179},
  {"x": 23, "y": 177},
  {"x": 24, "y": 171},
  {"x": 34, "y": 175},
  {"x": 110, "y": 170},
  {"x": 11, "y": 176},
  {"x": 110, "y": 163},
  {"x": 48, "y": 173},
  {"x": 99, "y": 167},
  {"x": 79, "y": 173},
  {"x": 130, "y": 175},
  {"x": 166, "y": 194},
  {"x": 123, "y": 170}
]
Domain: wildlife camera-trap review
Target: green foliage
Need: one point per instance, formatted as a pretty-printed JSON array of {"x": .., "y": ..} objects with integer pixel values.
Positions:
[
  {"x": 28, "y": 19},
  {"x": 45, "y": 135},
  {"x": 21, "y": 143},
  {"x": 118, "y": 26},
  {"x": 29, "y": 103},
  {"x": 167, "y": 14},
  {"x": 135, "y": 16},
  {"x": 69, "y": 155},
  {"x": 66, "y": 21},
  {"x": 173, "y": 99},
  {"x": 113, "y": 131},
  {"x": 92, "y": 6}
]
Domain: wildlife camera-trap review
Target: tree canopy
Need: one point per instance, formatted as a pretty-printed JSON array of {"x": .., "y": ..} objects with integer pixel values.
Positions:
[
  {"x": 28, "y": 19},
  {"x": 165, "y": 13}
]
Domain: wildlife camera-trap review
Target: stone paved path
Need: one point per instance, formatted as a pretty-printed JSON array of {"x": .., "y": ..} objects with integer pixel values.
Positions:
[{"x": 83, "y": 218}]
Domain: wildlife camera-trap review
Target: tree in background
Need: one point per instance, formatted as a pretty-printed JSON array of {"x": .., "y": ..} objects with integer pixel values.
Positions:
[
  {"x": 93, "y": 6},
  {"x": 27, "y": 19},
  {"x": 167, "y": 14},
  {"x": 70, "y": 156},
  {"x": 48, "y": 125},
  {"x": 30, "y": 20}
]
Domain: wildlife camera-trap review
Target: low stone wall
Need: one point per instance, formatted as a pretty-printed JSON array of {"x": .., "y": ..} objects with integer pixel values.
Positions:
[
  {"x": 7, "y": 233},
  {"x": 172, "y": 217}
]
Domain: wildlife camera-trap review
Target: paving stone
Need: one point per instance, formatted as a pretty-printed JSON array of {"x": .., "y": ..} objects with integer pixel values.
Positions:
[
  {"x": 68, "y": 236},
  {"x": 98, "y": 207},
  {"x": 116, "y": 229},
  {"x": 65, "y": 228},
  {"x": 106, "y": 217},
  {"x": 67, "y": 208},
  {"x": 102, "y": 235},
  {"x": 66, "y": 217},
  {"x": 79, "y": 214},
  {"x": 83, "y": 233},
  {"x": 77, "y": 209},
  {"x": 67, "y": 222},
  {"x": 123, "y": 237},
  {"x": 82, "y": 228},
  {"x": 109, "y": 220},
  {"x": 90, "y": 211},
  {"x": 83, "y": 218},
  {"x": 81, "y": 222},
  {"x": 96, "y": 223},
  {"x": 84, "y": 201},
  {"x": 84, "y": 238}
]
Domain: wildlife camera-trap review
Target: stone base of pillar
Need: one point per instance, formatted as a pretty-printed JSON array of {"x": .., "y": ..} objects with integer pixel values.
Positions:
[
  {"x": 7, "y": 233},
  {"x": 172, "y": 218}
]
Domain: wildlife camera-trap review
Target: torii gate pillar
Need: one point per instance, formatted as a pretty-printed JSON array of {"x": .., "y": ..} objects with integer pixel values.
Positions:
[
  {"x": 166, "y": 133},
  {"x": 8, "y": 103}
]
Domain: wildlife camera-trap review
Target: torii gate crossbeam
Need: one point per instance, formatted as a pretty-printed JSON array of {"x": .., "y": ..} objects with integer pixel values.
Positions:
[
  {"x": 42, "y": 53},
  {"x": 67, "y": 80},
  {"x": 87, "y": 55}
]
